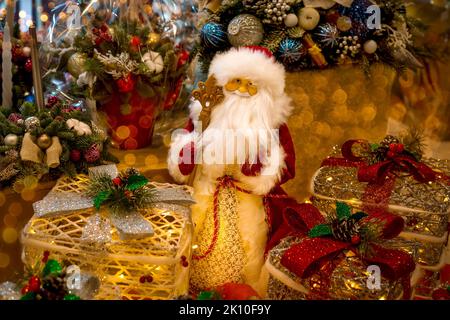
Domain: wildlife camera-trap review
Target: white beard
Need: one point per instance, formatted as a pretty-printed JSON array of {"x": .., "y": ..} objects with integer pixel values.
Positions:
[{"x": 241, "y": 130}]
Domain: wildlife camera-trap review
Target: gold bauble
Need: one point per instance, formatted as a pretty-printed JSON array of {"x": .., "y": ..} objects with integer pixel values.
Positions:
[
  {"x": 75, "y": 64},
  {"x": 153, "y": 38},
  {"x": 44, "y": 141}
]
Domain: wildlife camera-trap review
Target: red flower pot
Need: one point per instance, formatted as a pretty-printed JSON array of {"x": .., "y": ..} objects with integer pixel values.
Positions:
[{"x": 131, "y": 119}]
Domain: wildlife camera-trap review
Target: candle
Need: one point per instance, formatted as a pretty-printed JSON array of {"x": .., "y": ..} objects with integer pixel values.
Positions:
[
  {"x": 7, "y": 84},
  {"x": 10, "y": 6},
  {"x": 37, "y": 81}
]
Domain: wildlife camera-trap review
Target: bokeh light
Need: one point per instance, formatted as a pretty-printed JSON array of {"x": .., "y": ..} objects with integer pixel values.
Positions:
[
  {"x": 4, "y": 260},
  {"x": 9, "y": 235}
]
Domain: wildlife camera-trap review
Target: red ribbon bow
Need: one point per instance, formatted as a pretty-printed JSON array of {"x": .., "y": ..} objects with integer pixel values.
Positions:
[
  {"x": 378, "y": 172},
  {"x": 307, "y": 257}
]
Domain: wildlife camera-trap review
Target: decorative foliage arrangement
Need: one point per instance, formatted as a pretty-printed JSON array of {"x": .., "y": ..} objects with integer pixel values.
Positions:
[
  {"x": 346, "y": 226},
  {"x": 313, "y": 33},
  {"x": 126, "y": 56},
  {"x": 409, "y": 145},
  {"x": 47, "y": 280},
  {"x": 44, "y": 144},
  {"x": 122, "y": 194}
]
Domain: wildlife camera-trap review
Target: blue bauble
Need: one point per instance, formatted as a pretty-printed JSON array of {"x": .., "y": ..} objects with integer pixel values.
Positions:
[
  {"x": 214, "y": 36},
  {"x": 291, "y": 51},
  {"x": 357, "y": 12},
  {"x": 29, "y": 98}
]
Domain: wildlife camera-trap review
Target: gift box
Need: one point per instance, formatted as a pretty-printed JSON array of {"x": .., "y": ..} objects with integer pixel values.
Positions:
[
  {"x": 142, "y": 255},
  {"x": 395, "y": 182},
  {"x": 347, "y": 258}
]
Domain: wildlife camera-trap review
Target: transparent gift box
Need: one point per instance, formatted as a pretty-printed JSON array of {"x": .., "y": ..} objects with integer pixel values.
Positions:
[{"x": 153, "y": 267}]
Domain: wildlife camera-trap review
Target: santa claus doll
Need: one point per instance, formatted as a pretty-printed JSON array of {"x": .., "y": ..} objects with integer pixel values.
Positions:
[{"x": 237, "y": 150}]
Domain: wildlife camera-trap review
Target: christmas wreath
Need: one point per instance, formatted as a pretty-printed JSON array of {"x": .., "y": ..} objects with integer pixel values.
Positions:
[{"x": 43, "y": 144}]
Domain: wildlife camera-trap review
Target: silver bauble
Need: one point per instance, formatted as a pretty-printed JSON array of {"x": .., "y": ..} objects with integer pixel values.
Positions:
[
  {"x": 32, "y": 123},
  {"x": 245, "y": 30},
  {"x": 11, "y": 139}
]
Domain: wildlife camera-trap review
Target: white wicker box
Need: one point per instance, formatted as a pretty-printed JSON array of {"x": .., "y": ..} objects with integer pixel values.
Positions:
[{"x": 121, "y": 264}]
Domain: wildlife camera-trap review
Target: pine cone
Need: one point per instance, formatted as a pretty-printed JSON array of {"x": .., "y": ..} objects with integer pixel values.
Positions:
[
  {"x": 389, "y": 140},
  {"x": 54, "y": 288},
  {"x": 344, "y": 230}
]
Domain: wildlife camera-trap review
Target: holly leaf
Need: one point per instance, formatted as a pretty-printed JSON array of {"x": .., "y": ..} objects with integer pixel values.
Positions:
[
  {"x": 136, "y": 181},
  {"x": 374, "y": 146},
  {"x": 51, "y": 267},
  {"x": 320, "y": 230},
  {"x": 343, "y": 211},
  {"x": 358, "y": 216},
  {"x": 29, "y": 296},
  {"x": 101, "y": 197}
]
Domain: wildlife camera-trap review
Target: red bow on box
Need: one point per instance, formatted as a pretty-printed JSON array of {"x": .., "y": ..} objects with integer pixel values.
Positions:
[
  {"x": 378, "y": 172},
  {"x": 311, "y": 254},
  {"x": 380, "y": 176}
]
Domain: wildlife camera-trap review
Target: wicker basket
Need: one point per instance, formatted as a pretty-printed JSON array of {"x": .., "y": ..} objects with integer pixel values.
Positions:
[{"x": 119, "y": 264}]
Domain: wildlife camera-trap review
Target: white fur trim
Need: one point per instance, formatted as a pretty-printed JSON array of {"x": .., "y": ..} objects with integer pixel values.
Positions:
[
  {"x": 178, "y": 142},
  {"x": 270, "y": 173},
  {"x": 267, "y": 74},
  {"x": 253, "y": 230},
  {"x": 245, "y": 62}
]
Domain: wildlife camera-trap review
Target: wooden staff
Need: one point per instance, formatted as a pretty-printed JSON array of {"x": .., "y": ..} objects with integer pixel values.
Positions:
[
  {"x": 36, "y": 69},
  {"x": 209, "y": 94}
]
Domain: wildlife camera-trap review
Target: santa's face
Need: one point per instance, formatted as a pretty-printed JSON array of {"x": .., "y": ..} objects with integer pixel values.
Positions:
[{"x": 242, "y": 87}]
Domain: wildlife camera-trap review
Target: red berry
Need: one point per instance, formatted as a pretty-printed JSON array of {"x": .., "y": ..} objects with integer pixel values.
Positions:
[
  {"x": 34, "y": 284},
  {"x": 28, "y": 65},
  {"x": 25, "y": 289},
  {"x": 149, "y": 278},
  {"x": 142, "y": 279},
  {"x": 356, "y": 239},
  {"x": 183, "y": 57},
  {"x": 75, "y": 155},
  {"x": 135, "y": 41},
  {"x": 46, "y": 254},
  {"x": 104, "y": 28},
  {"x": 400, "y": 147},
  {"x": 117, "y": 181},
  {"x": 390, "y": 154},
  {"x": 183, "y": 258},
  {"x": 128, "y": 194},
  {"x": 51, "y": 101},
  {"x": 185, "y": 264}
]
